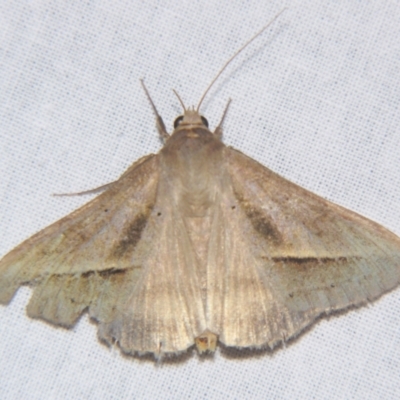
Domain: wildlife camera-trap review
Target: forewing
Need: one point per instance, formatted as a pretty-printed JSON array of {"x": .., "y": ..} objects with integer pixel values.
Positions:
[
  {"x": 288, "y": 256},
  {"x": 126, "y": 257},
  {"x": 75, "y": 258}
]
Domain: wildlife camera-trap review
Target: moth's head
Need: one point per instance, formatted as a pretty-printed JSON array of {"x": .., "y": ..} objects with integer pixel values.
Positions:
[{"x": 190, "y": 119}]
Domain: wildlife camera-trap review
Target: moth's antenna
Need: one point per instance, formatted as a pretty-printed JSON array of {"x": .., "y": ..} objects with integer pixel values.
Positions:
[
  {"x": 180, "y": 100},
  {"x": 237, "y": 53}
]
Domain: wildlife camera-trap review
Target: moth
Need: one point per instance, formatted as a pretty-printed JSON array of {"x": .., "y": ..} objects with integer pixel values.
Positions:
[{"x": 199, "y": 245}]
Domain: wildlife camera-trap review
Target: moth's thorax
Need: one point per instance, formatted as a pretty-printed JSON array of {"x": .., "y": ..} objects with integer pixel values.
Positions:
[{"x": 192, "y": 162}]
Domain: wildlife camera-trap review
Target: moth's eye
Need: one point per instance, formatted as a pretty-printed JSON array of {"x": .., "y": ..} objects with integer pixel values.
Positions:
[
  {"x": 205, "y": 122},
  {"x": 178, "y": 121}
]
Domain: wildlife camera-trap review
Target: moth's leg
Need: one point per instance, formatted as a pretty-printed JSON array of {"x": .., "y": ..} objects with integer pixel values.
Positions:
[
  {"x": 91, "y": 191},
  {"x": 218, "y": 129},
  {"x": 159, "y": 122}
]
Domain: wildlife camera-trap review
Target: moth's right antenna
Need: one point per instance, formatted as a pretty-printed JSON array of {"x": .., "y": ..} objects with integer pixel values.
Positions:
[{"x": 237, "y": 53}]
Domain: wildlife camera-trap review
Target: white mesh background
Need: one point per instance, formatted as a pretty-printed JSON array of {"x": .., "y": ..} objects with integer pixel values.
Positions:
[{"x": 316, "y": 99}]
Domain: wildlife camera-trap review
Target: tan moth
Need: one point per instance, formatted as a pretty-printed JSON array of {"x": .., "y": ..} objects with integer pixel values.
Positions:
[{"x": 200, "y": 244}]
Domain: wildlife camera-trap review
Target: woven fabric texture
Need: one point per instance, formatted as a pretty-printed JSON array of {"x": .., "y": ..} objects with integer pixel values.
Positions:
[{"x": 316, "y": 98}]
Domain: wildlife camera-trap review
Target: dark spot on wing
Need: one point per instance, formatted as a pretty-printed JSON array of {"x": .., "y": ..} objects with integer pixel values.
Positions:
[
  {"x": 105, "y": 273},
  {"x": 87, "y": 274},
  {"x": 306, "y": 263},
  {"x": 263, "y": 226},
  {"x": 111, "y": 272},
  {"x": 131, "y": 236},
  {"x": 260, "y": 221},
  {"x": 311, "y": 260}
]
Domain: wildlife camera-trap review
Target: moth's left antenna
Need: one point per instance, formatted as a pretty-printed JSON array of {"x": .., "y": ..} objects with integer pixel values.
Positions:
[
  {"x": 236, "y": 54},
  {"x": 180, "y": 100}
]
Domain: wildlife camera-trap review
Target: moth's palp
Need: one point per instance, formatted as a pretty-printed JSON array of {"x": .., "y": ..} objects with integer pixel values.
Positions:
[
  {"x": 162, "y": 130},
  {"x": 218, "y": 129}
]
